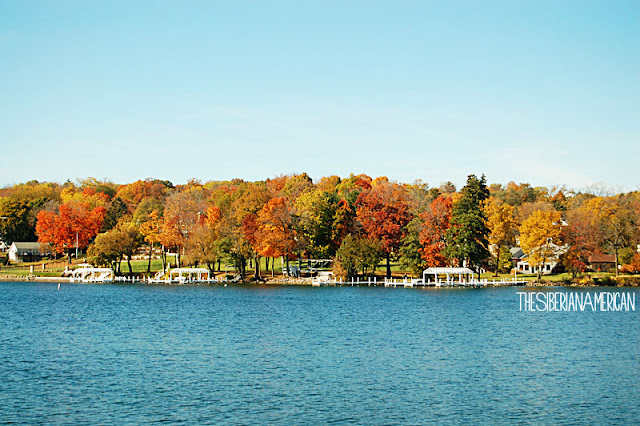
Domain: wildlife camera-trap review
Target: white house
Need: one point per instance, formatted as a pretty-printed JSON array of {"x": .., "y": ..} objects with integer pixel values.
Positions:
[
  {"x": 24, "y": 252},
  {"x": 519, "y": 261}
]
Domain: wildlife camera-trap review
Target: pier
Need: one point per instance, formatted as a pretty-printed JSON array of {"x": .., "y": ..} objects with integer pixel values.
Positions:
[{"x": 431, "y": 277}]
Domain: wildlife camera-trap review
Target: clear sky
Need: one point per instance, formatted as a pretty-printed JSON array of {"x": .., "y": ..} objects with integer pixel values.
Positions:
[{"x": 545, "y": 92}]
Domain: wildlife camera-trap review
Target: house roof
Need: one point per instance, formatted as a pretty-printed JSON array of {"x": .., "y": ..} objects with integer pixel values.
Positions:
[
  {"x": 516, "y": 253},
  {"x": 26, "y": 246},
  {"x": 602, "y": 258}
]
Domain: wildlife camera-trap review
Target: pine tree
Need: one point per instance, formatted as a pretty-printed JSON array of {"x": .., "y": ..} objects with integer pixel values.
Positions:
[{"x": 467, "y": 235}]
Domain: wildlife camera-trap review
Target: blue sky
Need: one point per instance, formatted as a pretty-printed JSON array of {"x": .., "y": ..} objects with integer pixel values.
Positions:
[{"x": 545, "y": 92}]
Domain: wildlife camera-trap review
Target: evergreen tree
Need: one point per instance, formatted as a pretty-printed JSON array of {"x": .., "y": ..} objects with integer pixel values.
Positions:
[{"x": 467, "y": 235}]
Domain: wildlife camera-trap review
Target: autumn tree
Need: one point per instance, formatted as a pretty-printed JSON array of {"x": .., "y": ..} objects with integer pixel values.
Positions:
[
  {"x": 182, "y": 213},
  {"x": 515, "y": 194},
  {"x": 150, "y": 230},
  {"x": 344, "y": 223},
  {"x": 113, "y": 245},
  {"x": 106, "y": 250},
  {"x": 433, "y": 236},
  {"x": 502, "y": 230},
  {"x": 384, "y": 213},
  {"x": 277, "y": 230},
  {"x": 579, "y": 237},
  {"x": 539, "y": 238},
  {"x": 615, "y": 223},
  {"x": 135, "y": 192},
  {"x": 467, "y": 235},
  {"x": 233, "y": 218},
  {"x": 201, "y": 247},
  {"x": 72, "y": 227},
  {"x": 349, "y": 189}
]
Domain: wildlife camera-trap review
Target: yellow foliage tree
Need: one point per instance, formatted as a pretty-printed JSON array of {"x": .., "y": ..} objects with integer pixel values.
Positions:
[
  {"x": 614, "y": 223},
  {"x": 150, "y": 230},
  {"x": 539, "y": 236},
  {"x": 502, "y": 226}
]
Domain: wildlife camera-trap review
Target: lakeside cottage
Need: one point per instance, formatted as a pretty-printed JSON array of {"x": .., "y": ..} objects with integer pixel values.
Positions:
[
  {"x": 24, "y": 252},
  {"x": 520, "y": 262},
  {"x": 602, "y": 262}
]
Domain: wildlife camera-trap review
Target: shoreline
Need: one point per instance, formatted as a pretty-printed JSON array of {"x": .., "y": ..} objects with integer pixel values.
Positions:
[{"x": 307, "y": 282}]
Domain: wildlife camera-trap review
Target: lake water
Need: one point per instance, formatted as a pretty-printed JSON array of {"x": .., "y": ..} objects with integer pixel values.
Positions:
[{"x": 114, "y": 354}]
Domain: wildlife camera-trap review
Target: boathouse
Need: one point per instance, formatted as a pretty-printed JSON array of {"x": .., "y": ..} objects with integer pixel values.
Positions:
[
  {"x": 24, "y": 252},
  {"x": 447, "y": 276}
]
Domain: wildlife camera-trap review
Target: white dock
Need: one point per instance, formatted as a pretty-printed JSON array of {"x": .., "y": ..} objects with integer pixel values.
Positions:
[
  {"x": 416, "y": 282},
  {"x": 185, "y": 276}
]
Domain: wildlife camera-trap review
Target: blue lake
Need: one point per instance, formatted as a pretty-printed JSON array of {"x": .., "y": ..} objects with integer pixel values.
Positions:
[{"x": 114, "y": 354}]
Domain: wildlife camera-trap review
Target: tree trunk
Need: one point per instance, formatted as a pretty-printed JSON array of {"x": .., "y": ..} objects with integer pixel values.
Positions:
[
  {"x": 163, "y": 256},
  {"x": 129, "y": 265},
  {"x": 256, "y": 273},
  {"x": 286, "y": 256},
  {"x": 615, "y": 249},
  {"x": 243, "y": 266},
  {"x": 149, "y": 264},
  {"x": 540, "y": 271},
  {"x": 388, "y": 256}
]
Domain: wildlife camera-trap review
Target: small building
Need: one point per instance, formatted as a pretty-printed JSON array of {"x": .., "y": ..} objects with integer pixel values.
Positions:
[
  {"x": 24, "y": 252},
  {"x": 602, "y": 262},
  {"x": 449, "y": 274},
  {"x": 521, "y": 264}
]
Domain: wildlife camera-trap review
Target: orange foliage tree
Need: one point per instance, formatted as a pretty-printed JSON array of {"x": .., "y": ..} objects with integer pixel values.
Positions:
[
  {"x": 384, "y": 213},
  {"x": 74, "y": 222},
  {"x": 433, "y": 235},
  {"x": 276, "y": 229}
]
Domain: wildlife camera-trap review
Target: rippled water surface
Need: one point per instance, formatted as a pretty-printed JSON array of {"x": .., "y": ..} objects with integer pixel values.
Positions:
[{"x": 114, "y": 354}]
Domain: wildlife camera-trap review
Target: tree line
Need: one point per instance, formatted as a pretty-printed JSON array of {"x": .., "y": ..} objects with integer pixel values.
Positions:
[{"x": 357, "y": 221}]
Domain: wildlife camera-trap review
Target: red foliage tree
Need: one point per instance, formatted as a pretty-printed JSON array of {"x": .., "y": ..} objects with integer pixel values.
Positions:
[
  {"x": 384, "y": 213},
  {"x": 435, "y": 224},
  {"x": 74, "y": 223}
]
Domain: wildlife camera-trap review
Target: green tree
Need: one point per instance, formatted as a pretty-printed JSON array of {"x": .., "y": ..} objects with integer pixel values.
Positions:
[
  {"x": 410, "y": 257},
  {"x": 17, "y": 219},
  {"x": 467, "y": 235},
  {"x": 316, "y": 212},
  {"x": 111, "y": 246},
  {"x": 116, "y": 210},
  {"x": 357, "y": 254}
]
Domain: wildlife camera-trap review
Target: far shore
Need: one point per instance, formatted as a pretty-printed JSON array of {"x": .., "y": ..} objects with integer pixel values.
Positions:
[{"x": 307, "y": 282}]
